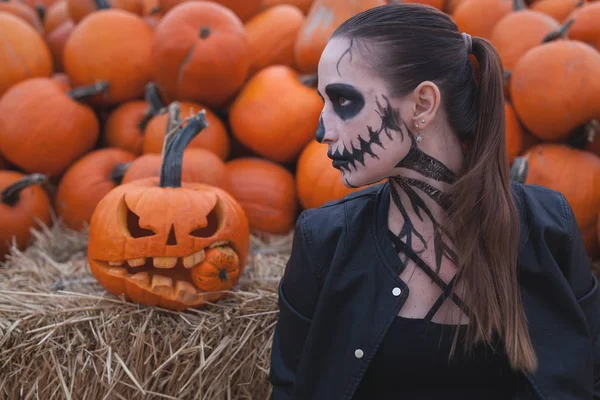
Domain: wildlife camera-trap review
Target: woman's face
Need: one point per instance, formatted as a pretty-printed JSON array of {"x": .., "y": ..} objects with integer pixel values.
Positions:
[{"x": 361, "y": 123}]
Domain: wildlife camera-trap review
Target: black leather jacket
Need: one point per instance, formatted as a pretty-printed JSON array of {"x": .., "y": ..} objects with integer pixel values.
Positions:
[{"x": 337, "y": 296}]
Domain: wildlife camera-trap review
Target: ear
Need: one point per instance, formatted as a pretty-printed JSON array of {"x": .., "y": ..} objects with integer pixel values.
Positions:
[{"x": 427, "y": 99}]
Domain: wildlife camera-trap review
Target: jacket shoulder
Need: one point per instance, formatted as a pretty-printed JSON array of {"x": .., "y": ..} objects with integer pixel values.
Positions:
[{"x": 541, "y": 207}]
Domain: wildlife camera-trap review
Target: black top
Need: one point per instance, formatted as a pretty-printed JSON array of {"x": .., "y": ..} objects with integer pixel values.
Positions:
[{"x": 413, "y": 362}]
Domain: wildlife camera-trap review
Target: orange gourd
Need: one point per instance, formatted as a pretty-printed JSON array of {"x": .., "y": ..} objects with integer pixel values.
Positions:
[
  {"x": 514, "y": 133},
  {"x": 267, "y": 193},
  {"x": 244, "y": 9},
  {"x": 56, "y": 41},
  {"x": 219, "y": 271},
  {"x": 148, "y": 235},
  {"x": 439, "y": 4},
  {"x": 86, "y": 182},
  {"x": 23, "y": 205},
  {"x": 200, "y": 53},
  {"x": 303, "y": 5},
  {"x": 55, "y": 15},
  {"x": 278, "y": 133},
  {"x": 451, "y": 6},
  {"x": 519, "y": 32},
  {"x": 587, "y": 24},
  {"x": 479, "y": 17},
  {"x": 322, "y": 19},
  {"x": 555, "y": 87},
  {"x": 110, "y": 45},
  {"x": 557, "y": 9},
  {"x": 272, "y": 35},
  {"x": 199, "y": 165},
  {"x": 574, "y": 173},
  {"x": 214, "y": 138},
  {"x": 24, "y": 12},
  {"x": 23, "y": 53},
  {"x": 317, "y": 182},
  {"x": 79, "y": 9},
  {"x": 45, "y": 129},
  {"x": 63, "y": 81}
]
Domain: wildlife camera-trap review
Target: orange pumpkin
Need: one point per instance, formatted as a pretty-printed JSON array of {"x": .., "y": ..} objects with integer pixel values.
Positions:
[
  {"x": 24, "y": 12},
  {"x": 125, "y": 126},
  {"x": 79, "y": 9},
  {"x": 586, "y": 27},
  {"x": 272, "y": 35},
  {"x": 267, "y": 193},
  {"x": 23, "y": 53},
  {"x": 39, "y": 5},
  {"x": 317, "y": 182},
  {"x": 199, "y": 165},
  {"x": 549, "y": 97},
  {"x": 214, "y": 138},
  {"x": 86, "y": 182},
  {"x": 55, "y": 15},
  {"x": 557, "y": 9},
  {"x": 22, "y": 204},
  {"x": 244, "y": 10},
  {"x": 219, "y": 271},
  {"x": 303, "y": 5},
  {"x": 56, "y": 41},
  {"x": 439, "y": 4},
  {"x": 322, "y": 19},
  {"x": 574, "y": 173},
  {"x": 110, "y": 45},
  {"x": 147, "y": 235},
  {"x": 479, "y": 17},
  {"x": 200, "y": 53},
  {"x": 514, "y": 133},
  {"x": 519, "y": 32},
  {"x": 451, "y": 6},
  {"x": 3, "y": 164},
  {"x": 63, "y": 81},
  {"x": 45, "y": 129},
  {"x": 277, "y": 133}
]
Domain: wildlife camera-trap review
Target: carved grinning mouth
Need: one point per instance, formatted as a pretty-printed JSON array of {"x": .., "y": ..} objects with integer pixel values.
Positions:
[{"x": 167, "y": 276}]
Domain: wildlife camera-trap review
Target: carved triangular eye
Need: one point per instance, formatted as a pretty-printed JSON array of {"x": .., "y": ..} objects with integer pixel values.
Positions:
[
  {"x": 211, "y": 227},
  {"x": 134, "y": 228}
]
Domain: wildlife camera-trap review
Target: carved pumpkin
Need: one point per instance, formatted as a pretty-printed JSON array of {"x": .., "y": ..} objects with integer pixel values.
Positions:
[
  {"x": 277, "y": 133},
  {"x": 214, "y": 138},
  {"x": 147, "y": 237},
  {"x": 24, "y": 12},
  {"x": 272, "y": 35},
  {"x": 479, "y": 17},
  {"x": 56, "y": 41},
  {"x": 125, "y": 126},
  {"x": 119, "y": 54},
  {"x": 22, "y": 204},
  {"x": 86, "y": 182},
  {"x": 303, "y": 5},
  {"x": 45, "y": 129},
  {"x": 586, "y": 27},
  {"x": 514, "y": 133},
  {"x": 199, "y": 165},
  {"x": 557, "y": 9},
  {"x": 549, "y": 97},
  {"x": 322, "y": 19},
  {"x": 55, "y": 15},
  {"x": 317, "y": 182},
  {"x": 574, "y": 173},
  {"x": 200, "y": 53},
  {"x": 267, "y": 193},
  {"x": 519, "y": 32},
  {"x": 23, "y": 53},
  {"x": 79, "y": 9}
]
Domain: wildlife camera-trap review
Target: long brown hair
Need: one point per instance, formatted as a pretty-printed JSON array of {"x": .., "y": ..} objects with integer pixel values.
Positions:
[{"x": 409, "y": 44}]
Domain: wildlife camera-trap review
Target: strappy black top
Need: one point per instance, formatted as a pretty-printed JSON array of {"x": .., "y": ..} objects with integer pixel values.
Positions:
[{"x": 412, "y": 361}]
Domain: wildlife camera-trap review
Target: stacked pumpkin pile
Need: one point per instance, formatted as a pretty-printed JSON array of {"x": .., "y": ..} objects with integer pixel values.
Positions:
[{"x": 85, "y": 85}]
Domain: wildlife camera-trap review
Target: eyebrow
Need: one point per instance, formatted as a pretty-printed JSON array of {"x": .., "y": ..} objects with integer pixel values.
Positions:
[{"x": 343, "y": 89}]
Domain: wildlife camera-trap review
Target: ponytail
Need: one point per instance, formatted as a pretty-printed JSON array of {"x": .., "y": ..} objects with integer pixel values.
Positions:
[{"x": 483, "y": 208}]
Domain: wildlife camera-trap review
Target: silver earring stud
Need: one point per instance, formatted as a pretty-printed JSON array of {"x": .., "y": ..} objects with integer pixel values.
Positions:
[
  {"x": 419, "y": 139},
  {"x": 422, "y": 121}
]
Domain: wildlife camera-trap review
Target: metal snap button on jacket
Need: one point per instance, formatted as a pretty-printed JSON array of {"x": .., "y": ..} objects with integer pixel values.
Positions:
[
  {"x": 358, "y": 353},
  {"x": 396, "y": 291}
]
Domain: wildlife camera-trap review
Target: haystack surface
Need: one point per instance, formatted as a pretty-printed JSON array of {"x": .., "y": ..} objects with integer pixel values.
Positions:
[{"x": 63, "y": 337}]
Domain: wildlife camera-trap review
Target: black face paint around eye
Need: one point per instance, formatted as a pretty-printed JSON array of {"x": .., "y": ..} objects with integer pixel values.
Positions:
[
  {"x": 320, "y": 135},
  {"x": 356, "y": 99}
]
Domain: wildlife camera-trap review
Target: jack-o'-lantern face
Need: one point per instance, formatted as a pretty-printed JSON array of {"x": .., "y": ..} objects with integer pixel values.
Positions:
[{"x": 149, "y": 242}]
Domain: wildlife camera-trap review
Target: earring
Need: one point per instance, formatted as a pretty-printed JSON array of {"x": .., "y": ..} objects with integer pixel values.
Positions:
[{"x": 419, "y": 137}]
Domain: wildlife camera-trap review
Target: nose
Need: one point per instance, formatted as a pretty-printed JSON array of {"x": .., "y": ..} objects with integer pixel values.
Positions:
[{"x": 320, "y": 130}]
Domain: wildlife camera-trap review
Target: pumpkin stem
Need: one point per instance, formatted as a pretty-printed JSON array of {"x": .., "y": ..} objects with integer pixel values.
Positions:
[
  {"x": 223, "y": 275},
  {"x": 173, "y": 124},
  {"x": 519, "y": 5},
  {"x": 560, "y": 32},
  {"x": 309, "y": 80},
  {"x": 172, "y": 163},
  {"x": 152, "y": 97},
  {"x": 154, "y": 10},
  {"x": 89, "y": 90},
  {"x": 584, "y": 135},
  {"x": 10, "y": 196},
  {"x": 518, "y": 170},
  {"x": 118, "y": 172},
  {"x": 102, "y": 4}
]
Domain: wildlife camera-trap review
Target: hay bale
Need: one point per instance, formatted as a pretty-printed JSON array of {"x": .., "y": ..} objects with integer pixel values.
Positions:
[{"x": 63, "y": 337}]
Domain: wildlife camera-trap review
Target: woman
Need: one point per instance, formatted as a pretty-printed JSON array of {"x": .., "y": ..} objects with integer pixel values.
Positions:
[{"x": 447, "y": 281}]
